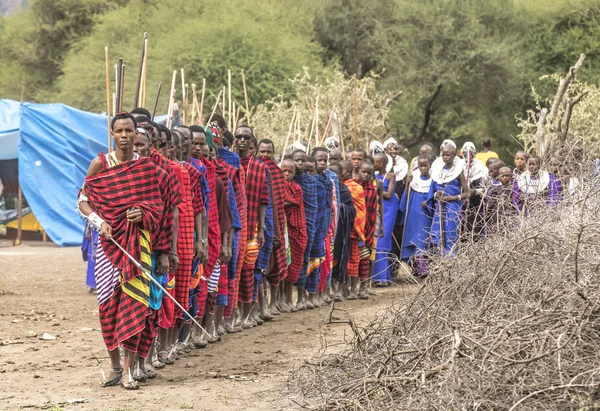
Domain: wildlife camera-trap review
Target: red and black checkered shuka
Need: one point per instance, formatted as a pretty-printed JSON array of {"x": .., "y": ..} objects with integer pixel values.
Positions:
[
  {"x": 257, "y": 192},
  {"x": 279, "y": 256},
  {"x": 214, "y": 230},
  {"x": 185, "y": 242},
  {"x": 238, "y": 179},
  {"x": 371, "y": 203},
  {"x": 296, "y": 223},
  {"x": 170, "y": 190},
  {"x": 113, "y": 191}
]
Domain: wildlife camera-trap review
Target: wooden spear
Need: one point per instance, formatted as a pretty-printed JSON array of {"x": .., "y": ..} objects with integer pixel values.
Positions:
[
  {"x": 355, "y": 108},
  {"x": 287, "y": 139},
  {"x": 215, "y": 107},
  {"x": 246, "y": 98},
  {"x": 171, "y": 99},
  {"x": 202, "y": 101},
  {"x": 107, "y": 96},
  {"x": 138, "y": 84},
  {"x": 229, "y": 110},
  {"x": 156, "y": 101},
  {"x": 186, "y": 103},
  {"x": 194, "y": 102},
  {"x": 183, "y": 96},
  {"x": 145, "y": 73}
]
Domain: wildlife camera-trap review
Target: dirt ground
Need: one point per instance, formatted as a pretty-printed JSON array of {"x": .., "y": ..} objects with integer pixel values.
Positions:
[{"x": 42, "y": 290}]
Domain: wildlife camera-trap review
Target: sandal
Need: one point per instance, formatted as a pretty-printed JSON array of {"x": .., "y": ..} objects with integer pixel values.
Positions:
[
  {"x": 163, "y": 357},
  {"x": 114, "y": 381},
  {"x": 150, "y": 371},
  {"x": 131, "y": 385},
  {"x": 157, "y": 364}
]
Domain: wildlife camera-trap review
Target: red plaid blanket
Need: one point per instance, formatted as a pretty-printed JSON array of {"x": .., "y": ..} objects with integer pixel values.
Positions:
[
  {"x": 115, "y": 190},
  {"x": 257, "y": 192}
]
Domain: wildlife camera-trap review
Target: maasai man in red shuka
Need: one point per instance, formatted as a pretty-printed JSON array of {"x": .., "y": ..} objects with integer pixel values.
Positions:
[
  {"x": 357, "y": 236},
  {"x": 114, "y": 205},
  {"x": 257, "y": 194},
  {"x": 296, "y": 228},
  {"x": 372, "y": 207},
  {"x": 200, "y": 151},
  {"x": 279, "y": 265}
]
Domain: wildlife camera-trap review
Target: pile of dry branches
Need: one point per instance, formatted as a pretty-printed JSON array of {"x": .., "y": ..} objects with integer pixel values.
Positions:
[{"x": 511, "y": 323}]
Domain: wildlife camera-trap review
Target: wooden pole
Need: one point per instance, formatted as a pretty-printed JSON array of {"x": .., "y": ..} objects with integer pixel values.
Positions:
[
  {"x": 186, "y": 103},
  {"x": 183, "y": 96},
  {"x": 355, "y": 111},
  {"x": 194, "y": 102},
  {"x": 119, "y": 70},
  {"x": 200, "y": 119},
  {"x": 342, "y": 140},
  {"x": 312, "y": 128},
  {"x": 223, "y": 107},
  {"x": 107, "y": 96},
  {"x": 19, "y": 216},
  {"x": 234, "y": 121},
  {"x": 156, "y": 101},
  {"x": 171, "y": 99},
  {"x": 317, "y": 121},
  {"x": 145, "y": 73},
  {"x": 246, "y": 98},
  {"x": 138, "y": 83},
  {"x": 328, "y": 123},
  {"x": 287, "y": 139},
  {"x": 229, "y": 110},
  {"x": 122, "y": 85},
  {"x": 114, "y": 106},
  {"x": 237, "y": 116},
  {"x": 215, "y": 107}
]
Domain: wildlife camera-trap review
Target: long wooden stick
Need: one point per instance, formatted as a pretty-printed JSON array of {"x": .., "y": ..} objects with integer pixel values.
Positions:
[
  {"x": 246, "y": 98},
  {"x": 200, "y": 119},
  {"x": 107, "y": 96},
  {"x": 186, "y": 103},
  {"x": 312, "y": 128},
  {"x": 171, "y": 100},
  {"x": 145, "y": 73},
  {"x": 19, "y": 216},
  {"x": 287, "y": 139},
  {"x": 355, "y": 112},
  {"x": 214, "y": 108},
  {"x": 229, "y": 110},
  {"x": 138, "y": 83},
  {"x": 234, "y": 120},
  {"x": 183, "y": 96},
  {"x": 119, "y": 68},
  {"x": 122, "y": 86},
  {"x": 223, "y": 107},
  {"x": 194, "y": 102},
  {"x": 317, "y": 134},
  {"x": 342, "y": 139},
  {"x": 328, "y": 123},
  {"x": 156, "y": 101}
]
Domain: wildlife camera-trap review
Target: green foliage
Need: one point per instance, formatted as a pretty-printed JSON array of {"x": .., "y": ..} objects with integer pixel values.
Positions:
[{"x": 271, "y": 43}]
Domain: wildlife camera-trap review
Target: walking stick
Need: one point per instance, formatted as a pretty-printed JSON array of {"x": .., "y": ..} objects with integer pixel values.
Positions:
[
  {"x": 156, "y": 101},
  {"x": 442, "y": 239},
  {"x": 149, "y": 275}
]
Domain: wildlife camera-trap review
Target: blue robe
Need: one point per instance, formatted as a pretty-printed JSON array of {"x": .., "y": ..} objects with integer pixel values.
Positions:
[
  {"x": 382, "y": 267},
  {"x": 418, "y": 224},
  {"x": 451, "y": 213},
  {"x": 309, "y": 195}
]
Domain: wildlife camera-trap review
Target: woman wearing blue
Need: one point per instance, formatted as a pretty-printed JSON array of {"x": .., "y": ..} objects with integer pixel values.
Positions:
[
  {"x": 449, "y": 189},
  {"x": 382, "y": 274},
  {"x": 416, "y": 208}
]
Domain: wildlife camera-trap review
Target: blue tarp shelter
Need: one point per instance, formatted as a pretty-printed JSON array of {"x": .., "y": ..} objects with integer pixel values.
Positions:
[{"x": 56, "y": 143}]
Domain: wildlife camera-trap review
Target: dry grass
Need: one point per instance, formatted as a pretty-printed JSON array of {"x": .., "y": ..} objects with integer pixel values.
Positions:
[{"x": 511, "y": 323}]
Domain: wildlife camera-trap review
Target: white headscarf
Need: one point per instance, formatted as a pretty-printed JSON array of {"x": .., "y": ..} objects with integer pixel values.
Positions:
[
  {"x": 389, "y": 141},
  {"x": 376, "y": 147},
  {"x": 331, "y": 143},
  {"x": 448, "y": 143}
]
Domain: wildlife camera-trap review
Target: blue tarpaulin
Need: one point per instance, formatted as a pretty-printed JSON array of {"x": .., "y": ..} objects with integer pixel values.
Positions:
[
  {"x": 57, "y": 144},
  {"x": 9, "y": 129}
]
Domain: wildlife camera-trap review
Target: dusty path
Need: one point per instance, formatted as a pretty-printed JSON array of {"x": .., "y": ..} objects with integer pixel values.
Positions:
[{"x": 42, "y": 290}]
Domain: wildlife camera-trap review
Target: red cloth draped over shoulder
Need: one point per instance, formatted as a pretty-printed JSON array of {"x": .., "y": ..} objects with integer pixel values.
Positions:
[
  {"x": 278, "y": 191},
  {"x": 113, "y": 191},
  {"x": 257, "y": 192},
  {"x": 296, "y": 221},
  {"x": 214, "y": 231},
  {"x": 371, "y": 204},
  {"x": 171, "y": 196}
]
